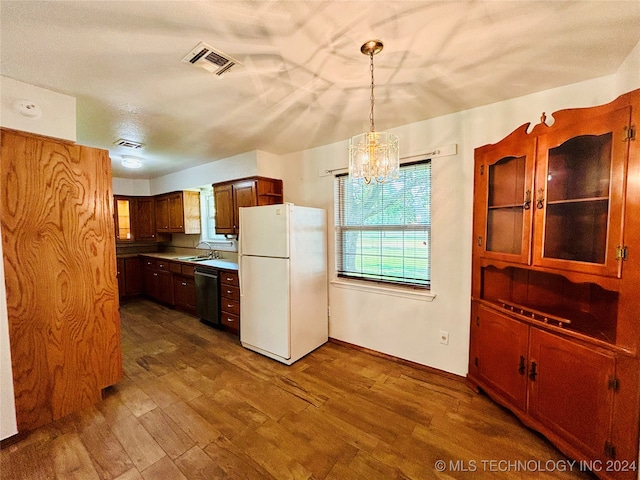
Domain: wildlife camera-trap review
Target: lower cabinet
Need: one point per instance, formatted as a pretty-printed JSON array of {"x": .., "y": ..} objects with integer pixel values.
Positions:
[
  {"x": 230, "y": 301},
  {"x": 184, "y": 293},
  {"x": 157, "y": 282},
  {"x": 560, "y": 386},
  {"x": 129, "y": 276}
]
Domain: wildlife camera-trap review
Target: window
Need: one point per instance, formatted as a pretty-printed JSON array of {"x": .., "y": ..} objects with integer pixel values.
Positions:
[
  {"x": 383, "y": 231},
  {"x": 208, "y": 215}
]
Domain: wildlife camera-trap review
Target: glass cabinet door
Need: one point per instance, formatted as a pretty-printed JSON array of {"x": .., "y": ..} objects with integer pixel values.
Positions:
[
  {"x": 123, "y": 219},
  {"x": 579, "y": 195},
  {"x": 506, "y": 183}
]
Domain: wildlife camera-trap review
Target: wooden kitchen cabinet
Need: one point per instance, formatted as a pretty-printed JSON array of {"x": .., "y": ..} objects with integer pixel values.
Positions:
[
  {"x": 56, "y": 211},
  {"x": 230, "y": 300},
  {"x": 145, "y": 219},
  {"x": 157, "y": 280},
  {"x": 555, "y": 275},
  {"x": 184, "y": 291},
  {"x": 129, "y": 276},
  {"x": 230, "y": 196},
  {"x": 124, "y": 218},
  {"x": 178, "y": 212}
]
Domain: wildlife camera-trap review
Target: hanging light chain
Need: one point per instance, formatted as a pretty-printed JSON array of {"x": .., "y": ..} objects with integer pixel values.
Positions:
[{"x": 373, "y": 127}]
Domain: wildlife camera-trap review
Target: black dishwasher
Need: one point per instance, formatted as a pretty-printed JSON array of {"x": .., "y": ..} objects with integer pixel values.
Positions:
[{"x": 207, "y": 296}]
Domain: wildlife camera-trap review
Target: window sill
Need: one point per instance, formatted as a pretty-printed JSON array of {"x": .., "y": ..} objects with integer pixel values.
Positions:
[{"x": 423, "y": 295}]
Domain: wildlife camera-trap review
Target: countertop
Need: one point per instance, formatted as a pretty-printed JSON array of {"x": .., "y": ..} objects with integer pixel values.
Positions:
[{"x": 174, "y": 257}]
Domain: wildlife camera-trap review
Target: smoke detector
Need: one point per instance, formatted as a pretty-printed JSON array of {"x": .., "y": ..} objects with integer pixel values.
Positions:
[{"x": 210, "y": 59}]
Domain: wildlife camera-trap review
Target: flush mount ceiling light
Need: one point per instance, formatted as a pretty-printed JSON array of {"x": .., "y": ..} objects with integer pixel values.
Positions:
[
  {"x": 131, "y": 162},
  {"x": 374, "y": 155}
]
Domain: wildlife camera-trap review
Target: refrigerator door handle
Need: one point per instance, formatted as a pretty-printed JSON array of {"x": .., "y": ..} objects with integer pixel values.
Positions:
[{"x": 239, "y": 274}]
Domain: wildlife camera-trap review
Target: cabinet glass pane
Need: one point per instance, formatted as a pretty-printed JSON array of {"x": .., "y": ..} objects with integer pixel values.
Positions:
[
  {"x": 505, "y": 205},
  {"x": 580, "y": 168},
  {"x": 124, "y": 220},
  {"x": 504, "y": 230},
  {"x": 577, "y": 231},
  {"x": 506, "y": 182},
  {"x": 576, "y": 217}
]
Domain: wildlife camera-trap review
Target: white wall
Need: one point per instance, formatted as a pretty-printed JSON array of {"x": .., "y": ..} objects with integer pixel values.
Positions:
[
  {"x": 130, "y": 186},
  {"x": 243, "y": 165},
  {"x": 408, "y": 327},
  {"x": 58, "y": 111}
]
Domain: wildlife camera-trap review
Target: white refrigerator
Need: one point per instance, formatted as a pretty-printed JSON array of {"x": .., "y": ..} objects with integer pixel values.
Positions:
[{"x": 282, "y": 261}]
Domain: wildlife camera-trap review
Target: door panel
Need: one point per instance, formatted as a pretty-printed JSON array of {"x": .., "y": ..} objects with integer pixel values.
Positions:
[
  {"x": 570, "y": 391},
  {"x": 503, "y": 355},
  {"x": 264, "y": 303},
  {"x": 264, "y": 231}
]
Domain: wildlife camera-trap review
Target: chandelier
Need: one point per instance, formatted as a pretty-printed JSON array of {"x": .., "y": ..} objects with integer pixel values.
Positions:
[{"x": 374, "y": 156}]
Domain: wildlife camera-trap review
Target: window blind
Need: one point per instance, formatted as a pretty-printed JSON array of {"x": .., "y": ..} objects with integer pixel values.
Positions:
[{"x": 383, "y": 231}]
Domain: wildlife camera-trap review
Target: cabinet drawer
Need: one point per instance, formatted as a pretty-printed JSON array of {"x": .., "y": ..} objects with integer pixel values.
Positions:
[
  {"x": 163, "y": 265},
  {"x": 230, "y": 322},
  {"x": 175, "y": 267},
  {"x": 229, "y": 278},
  {"x": 229, "y": 306},
  {"x": 149, "y": 263},
  {"x": 188, "y": 270},
  {"x": 229, "y": 292}
]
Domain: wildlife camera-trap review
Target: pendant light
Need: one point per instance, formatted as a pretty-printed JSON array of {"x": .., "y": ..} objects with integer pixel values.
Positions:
[{"x": 374, "y": 156}]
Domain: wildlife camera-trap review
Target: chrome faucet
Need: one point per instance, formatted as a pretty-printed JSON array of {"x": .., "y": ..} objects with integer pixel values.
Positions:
[{"x": 211, "y": 253}]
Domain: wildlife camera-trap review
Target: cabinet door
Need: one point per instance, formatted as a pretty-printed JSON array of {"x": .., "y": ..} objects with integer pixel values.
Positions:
[
  {"x": 162, "y": 213},
  {"x": 150, "y": 282},
  {"x": 244, "y": 195},
  {"x": 120, "y": 274},
  {"x": 223, "y": 201},
  {"x": 502, "y": 355},
  {"x": 132, "y": 276},
  {"x": 570, "y": 392},
  {"x": 123, "y": 219},
  {"x": 184, "y": 292},
  {"x": 145, "y": 219},
  {"x": 176, "y": 213},
  {"x": 503, "y": 191},
  {"x": 165, "y": 288},
  {"x": 579, "y": 195}
]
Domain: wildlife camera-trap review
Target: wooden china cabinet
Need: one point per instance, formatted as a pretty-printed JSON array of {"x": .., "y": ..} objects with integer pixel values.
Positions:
[{"x": 555, "y": 317}]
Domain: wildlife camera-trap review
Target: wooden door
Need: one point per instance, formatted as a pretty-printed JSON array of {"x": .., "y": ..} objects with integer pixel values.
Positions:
[
  {"x": 176, "y": 213},
  {"x": 162, "y": 213},
  {"x": 244, "y": 195},
  {"x": 184, "y": 291},
  {"x": 503, "y": 198},
  {"x": 580, "y": 195},
  {"x": 570, "y": 391},
  {"x": 165, "y": 288},
  {"x": 223, "y": 202},
  {"x": 145, "y": 222},
  {"x": 502, "y": 356},
  {"x": 56, "y": 210}
]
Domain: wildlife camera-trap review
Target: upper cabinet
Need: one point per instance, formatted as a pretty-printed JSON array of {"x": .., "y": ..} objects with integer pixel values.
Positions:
[
  {"x": 579, "y": 195},
  {"x": 145, "y": 219},
  {"x": 246, "y": 192},
  {"x": 123, "y": 209},
  {"x": 178, "y": 212},
  {"x": 554, "y": 198}
]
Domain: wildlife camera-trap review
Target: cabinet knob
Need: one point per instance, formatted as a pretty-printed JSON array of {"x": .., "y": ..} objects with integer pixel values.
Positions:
[
  {"x": 527, "y": 200},
  {"x": 540, "y": 199},
  {"x": 155, "y": 274},
  {"x": 184, "y": 284}
]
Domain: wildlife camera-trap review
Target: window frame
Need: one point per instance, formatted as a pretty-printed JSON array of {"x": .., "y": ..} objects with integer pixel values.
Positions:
[{"x": 382, "y": 280}]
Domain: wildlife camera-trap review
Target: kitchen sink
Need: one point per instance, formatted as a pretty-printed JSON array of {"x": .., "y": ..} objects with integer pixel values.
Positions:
[{"x": 193, "y": 258}]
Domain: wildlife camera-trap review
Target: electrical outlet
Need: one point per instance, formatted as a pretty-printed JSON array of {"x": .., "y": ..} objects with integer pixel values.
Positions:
[{"x": 444, "y": 337}]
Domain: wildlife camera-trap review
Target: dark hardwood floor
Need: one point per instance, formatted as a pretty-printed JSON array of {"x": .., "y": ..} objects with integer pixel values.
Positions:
[{"x": 194, "y": 404}]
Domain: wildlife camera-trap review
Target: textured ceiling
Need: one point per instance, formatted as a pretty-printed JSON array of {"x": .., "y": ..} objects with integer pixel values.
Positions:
[{"x": 304, "y": 81}]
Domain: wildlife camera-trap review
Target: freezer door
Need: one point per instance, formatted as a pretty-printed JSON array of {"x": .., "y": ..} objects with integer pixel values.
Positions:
[
  {"x": 264, "y": 304},
  {"x": 264, "y": 231}
]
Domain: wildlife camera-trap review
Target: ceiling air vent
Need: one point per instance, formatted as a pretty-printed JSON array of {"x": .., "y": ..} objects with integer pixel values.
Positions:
[
  {"x": 121, "y": 142},
  {"x": 210, "y": 59}
]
